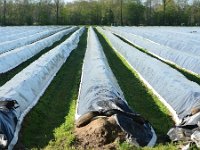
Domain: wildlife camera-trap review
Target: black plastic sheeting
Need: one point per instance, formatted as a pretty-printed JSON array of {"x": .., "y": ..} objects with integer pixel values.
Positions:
[
  {"x": 8, "y": 121},
  {"x": 138, "y": 130},
  {"x": 188, "y": 130}
]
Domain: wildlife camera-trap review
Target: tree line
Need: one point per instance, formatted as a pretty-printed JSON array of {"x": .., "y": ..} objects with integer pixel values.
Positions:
[{"x": 100, "y": 12}]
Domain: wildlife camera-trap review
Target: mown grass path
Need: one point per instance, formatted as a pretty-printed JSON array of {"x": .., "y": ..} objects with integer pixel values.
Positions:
[
  {"x": 50, "y": 123},
  {"x": 138, "y": 96},
  {"x": 4, "y": 77}
]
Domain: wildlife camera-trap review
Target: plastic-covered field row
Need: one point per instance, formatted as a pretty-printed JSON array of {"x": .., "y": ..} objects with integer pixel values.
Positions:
[
  {"x": 100, "y": 95},
  {"x": 182, "y": 59},
  {"x": 10, "y": 45},
  {"x": 23, "y": 32},
  {"x": 27, "y": 86},
  {"x": 11, "y": 59},
  {"x": 14, "y": 30},
  {"x": 180, "y": 95},
  {"x": 188, "y": 43}
]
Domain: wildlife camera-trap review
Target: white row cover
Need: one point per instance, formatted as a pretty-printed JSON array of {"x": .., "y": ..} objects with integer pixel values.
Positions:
[
  {"x": 28, "y": 85},
  {"x": 99, "y": 91},
  {"x": 178, "y": 94},
  {"x": 9, "y": 45},
  {"x": 96, "y": 75},
  {"x": 186, "y": 42},
  {"x": 14, "y": 30},
  {"x": 21, "y": 34},
  {"x": 184, "y": 60},
  {"x": 11, "y": 59}
]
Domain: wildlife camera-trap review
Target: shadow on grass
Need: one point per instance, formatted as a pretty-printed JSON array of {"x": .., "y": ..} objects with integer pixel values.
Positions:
[
  {"x": 137, "y": 95},
  {"x": 50, "y": 112},
  {"x": 4, "y": 77}
]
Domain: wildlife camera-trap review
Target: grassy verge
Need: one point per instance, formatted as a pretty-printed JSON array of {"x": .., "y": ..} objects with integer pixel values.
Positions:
[
  {"x": 138, "y": 96},
  {"x": 4, "y": 77},
  {"x": 50, "y": 123},
  {"x": 190, "y": 76}
]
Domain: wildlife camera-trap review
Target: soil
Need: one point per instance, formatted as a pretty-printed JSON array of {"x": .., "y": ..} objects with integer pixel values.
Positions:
[{"x": 101, "y": 133}]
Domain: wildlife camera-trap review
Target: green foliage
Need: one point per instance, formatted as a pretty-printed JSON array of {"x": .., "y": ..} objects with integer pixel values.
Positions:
[
  {"x": 101, "y": 12},
  {"x": 134, "y": 14}
]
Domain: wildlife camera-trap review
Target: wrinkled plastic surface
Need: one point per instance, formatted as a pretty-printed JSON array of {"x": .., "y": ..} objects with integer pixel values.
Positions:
[
  {"x": 7, "y": 124},
  {"x": 11, "y": 59},
  {"x": 9, "y": 45},
  {"x": 178, "y": 94},
  {"x": 188, "y": 130},
  {"x": 99, "y": 91},
  {"x": 183, "y": 59},
  {"x": 179, "y": 38},
  {"x": 28, "y": 85}
]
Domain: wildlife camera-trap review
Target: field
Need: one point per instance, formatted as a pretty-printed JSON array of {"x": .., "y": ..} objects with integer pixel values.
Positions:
[{"x": 41, "y": 67}]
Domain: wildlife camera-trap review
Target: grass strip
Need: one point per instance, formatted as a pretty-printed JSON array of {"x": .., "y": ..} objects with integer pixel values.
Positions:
[
  {"x": 138, "y": 96},
  {"x": 4, "y": 77},
  {"x": 50, "y": 123},
  {"x": 190, "y": 76}
]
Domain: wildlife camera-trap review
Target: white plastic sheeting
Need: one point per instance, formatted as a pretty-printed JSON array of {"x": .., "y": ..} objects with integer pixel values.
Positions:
[
  {"x": 11, "y": 59},
  {"x": 13, "y": 30},
  {"x": 99, "y": 91},
  {"x": 23, "y": 32},
  {"x": 9, "y": 45},
  {"x": 184, "y": 60},
  {"x": 96, "y": 72},
  {"x": 28, "y": 85},
  {"x": 178, "y": 94},
  {"x": 182, "y": 41}
]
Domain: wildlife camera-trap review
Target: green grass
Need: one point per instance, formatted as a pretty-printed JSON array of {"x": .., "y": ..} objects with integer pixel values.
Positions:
[
  {"x": 190, "y": 76},
  {"x": 50, "y": 123},
  {"x": 4, "y": 77},
  {"x": 138, "y": 96}
]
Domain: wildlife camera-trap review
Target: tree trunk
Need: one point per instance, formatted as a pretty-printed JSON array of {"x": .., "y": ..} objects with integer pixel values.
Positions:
[
  {"x": 150, "y": 10},
  {"x": 164, "y": 12},
  {"x": 4, "y": 13},
  {"x": 121, "y": 15},
  {"x": 57, "y": 11}
]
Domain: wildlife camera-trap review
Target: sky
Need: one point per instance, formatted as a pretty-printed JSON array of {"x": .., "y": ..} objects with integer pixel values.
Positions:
[{"x": 68, "y": 0}]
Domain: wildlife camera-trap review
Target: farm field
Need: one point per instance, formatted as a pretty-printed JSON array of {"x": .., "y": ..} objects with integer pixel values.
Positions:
[{"x": 45, "y": 70}]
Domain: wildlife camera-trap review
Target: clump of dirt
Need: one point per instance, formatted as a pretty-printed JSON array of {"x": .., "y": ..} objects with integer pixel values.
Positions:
[{"x": 99, "y": 133}]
